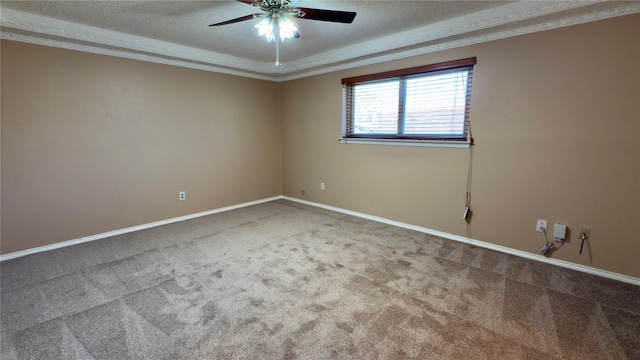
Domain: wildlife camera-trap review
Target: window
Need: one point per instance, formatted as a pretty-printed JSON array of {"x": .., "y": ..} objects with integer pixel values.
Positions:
[{"x": 422, "y": 104}]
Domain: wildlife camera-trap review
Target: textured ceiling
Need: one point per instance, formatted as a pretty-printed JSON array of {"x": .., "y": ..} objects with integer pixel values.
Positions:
[{"x": 177, "y": 32}]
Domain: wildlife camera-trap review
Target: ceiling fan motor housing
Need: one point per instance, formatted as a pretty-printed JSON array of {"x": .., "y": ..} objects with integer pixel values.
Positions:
[{"x": 275, "y": 9}]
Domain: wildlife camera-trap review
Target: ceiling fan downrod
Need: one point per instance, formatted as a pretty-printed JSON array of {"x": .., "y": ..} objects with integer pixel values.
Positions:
[{"x": 277, "y": 54}]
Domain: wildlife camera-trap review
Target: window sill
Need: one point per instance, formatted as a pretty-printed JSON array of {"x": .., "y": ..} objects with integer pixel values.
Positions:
[{"x": 405, "y": 142}]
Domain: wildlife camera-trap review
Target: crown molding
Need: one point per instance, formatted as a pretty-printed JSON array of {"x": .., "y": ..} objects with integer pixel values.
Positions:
[
  {"x": 472, "y": 37},
  {"x": 41, "y": 30},
  {"x": 482, "y": 20},
  {"x": 513, "y": 19}
]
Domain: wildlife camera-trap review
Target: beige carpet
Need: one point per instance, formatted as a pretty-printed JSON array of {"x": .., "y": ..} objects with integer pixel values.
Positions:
[{"x": 286, "y": 281}]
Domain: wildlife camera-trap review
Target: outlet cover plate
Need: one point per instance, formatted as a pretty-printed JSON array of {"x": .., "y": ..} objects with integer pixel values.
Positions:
[
  {"x": 586, "y": 231},
  {"x": 541, "y": 223}
]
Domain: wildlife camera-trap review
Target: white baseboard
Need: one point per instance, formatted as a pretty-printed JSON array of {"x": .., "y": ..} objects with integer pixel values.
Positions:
[
  {"x": 81, "y": 240},
  {"x": 504, "y": 249}
]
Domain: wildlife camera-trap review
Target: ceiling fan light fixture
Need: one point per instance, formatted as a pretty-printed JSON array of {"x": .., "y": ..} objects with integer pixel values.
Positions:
[
  {"x": 286, "y": 29},
  {"x": 276, "y": 22},
  {"x": 265, "y": 29}
]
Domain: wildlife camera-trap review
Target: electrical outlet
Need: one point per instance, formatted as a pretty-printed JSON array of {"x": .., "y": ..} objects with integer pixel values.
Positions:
[
  {"x": 303, "y": 192},
  {"x": 585, "y": 231},
  {"x": 182, "y": 195},
  {"x": 321, "y": 186},
  {"x": 541, "y": 224}
]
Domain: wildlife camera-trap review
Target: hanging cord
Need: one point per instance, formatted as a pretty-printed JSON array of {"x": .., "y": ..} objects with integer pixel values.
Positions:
[
  {"x": 470, "y": 171},
  {"x": 469, "y": 175},
  {"x": 548, "y": 245},
  {"x": 583, "y": 237},
  {"x": 467, "y": 208}
]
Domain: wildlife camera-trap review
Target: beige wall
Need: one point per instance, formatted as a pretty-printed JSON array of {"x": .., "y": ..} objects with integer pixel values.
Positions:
[
  {"x": 556, "y": 118},
  {"x": 93, "y": 143}
]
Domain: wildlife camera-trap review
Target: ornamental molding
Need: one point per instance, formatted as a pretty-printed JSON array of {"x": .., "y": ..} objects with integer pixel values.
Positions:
[{"x": 518, "y": 18}]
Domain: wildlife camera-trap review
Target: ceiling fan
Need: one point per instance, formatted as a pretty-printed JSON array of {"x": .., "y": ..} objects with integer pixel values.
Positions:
[{"x": 276, "y": 19}]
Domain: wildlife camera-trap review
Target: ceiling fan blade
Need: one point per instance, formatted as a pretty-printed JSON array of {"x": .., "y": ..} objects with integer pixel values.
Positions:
[
  {"x": 250, "y": 2},
  {"x": 243, "y": 18},
  {"x": 328, "y": 15}
]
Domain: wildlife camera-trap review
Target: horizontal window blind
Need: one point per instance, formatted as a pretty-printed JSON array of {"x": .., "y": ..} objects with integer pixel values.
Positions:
[
  {"x": 436, "y": 105},
  {"x": 375, "y": 109},
  {"x": 428, "y": 105}
]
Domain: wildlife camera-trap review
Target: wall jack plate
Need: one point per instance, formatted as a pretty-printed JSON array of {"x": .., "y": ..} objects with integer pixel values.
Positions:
[
  {"x": 541, "y": 224},
  {"x": 585, "y": 231}
]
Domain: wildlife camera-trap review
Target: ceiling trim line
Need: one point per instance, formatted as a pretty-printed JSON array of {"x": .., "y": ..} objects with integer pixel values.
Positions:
[
  {"x": 487, "y": 19},
  {"x": 473, "y": 40},
  {"x": 15, "y": 22},
  {"x": 127, "y": 55},
  {"x": 40, "y": 30}
]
